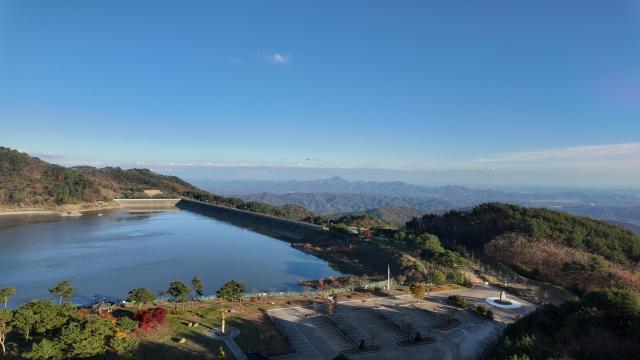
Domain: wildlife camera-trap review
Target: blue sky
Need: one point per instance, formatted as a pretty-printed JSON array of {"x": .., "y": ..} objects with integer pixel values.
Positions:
[{"x": 547, "y": 91}]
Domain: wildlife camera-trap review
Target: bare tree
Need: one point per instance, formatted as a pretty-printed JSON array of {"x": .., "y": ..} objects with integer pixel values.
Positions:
[
  {"x": 330, "y": 309},
  {"x": 364, "y": 299}
]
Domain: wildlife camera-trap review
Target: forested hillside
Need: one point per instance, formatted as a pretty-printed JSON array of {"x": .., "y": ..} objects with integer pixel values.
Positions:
[
  {"x": 28, "y": 181},
  {"x": 574, "y": 252},
  {"x": 485, "y": 222},
  {"x": 335, "y": 203},
  {"x": 599, "y": 262},
  {"x": 397, "y": 215}
]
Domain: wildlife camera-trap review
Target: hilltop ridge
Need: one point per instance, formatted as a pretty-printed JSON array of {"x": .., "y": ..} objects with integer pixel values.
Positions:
[{"x": 27, "y": 181}]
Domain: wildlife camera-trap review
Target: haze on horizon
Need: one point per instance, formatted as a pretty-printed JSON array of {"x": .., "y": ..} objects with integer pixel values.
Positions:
[{"x": 497, "y": 93}]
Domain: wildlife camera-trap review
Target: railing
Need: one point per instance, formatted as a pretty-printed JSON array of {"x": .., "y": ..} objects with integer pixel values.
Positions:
[{"x": 320, "y": 293}]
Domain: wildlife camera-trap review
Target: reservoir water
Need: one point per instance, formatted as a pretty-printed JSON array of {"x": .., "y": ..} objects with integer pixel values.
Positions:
[{"x": 106, "y": 256}]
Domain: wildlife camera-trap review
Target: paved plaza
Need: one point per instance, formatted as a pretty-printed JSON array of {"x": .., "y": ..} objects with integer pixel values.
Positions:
[{"x": 384, "y": 322}]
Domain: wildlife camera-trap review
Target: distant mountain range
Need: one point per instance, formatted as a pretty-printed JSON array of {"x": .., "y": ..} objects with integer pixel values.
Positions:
[
  {"x": 334, "y": 203},
  {"x": 454, "y": 195},
  {"x": 337, "y": 195},
  {"x": 628, "y": 217},
  {"x": 398, "y": 215}
]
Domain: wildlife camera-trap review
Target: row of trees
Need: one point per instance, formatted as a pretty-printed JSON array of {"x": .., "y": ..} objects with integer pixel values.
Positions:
[
  {"x": 181, "y": 293},
  {"x": 63, "y": 290}
]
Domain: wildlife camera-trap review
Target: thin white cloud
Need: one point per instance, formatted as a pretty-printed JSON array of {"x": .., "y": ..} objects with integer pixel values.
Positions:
[
  {"x": 625, "y": 151},
  {"x": 46, "y": 154},
  {"x": 86, "y": 163},
  {"x": 233, "y": 165},
  {"x": 276, "y": 58}
]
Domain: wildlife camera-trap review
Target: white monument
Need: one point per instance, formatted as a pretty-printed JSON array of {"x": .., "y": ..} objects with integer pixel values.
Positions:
[
  {"x": 388, "y": 278},
  {"x": 503, "y": 301},
  {"x": 223, "y": 327}
]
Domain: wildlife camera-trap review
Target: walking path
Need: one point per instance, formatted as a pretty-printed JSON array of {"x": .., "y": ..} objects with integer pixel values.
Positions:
[{"x": 231, "y": 344}]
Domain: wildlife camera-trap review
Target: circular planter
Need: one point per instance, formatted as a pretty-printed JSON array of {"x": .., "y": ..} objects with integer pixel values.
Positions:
[{"x": 495, "y": 301}]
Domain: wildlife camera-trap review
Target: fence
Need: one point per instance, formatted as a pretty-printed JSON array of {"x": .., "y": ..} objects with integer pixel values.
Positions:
[{"x": 321, "y": 293}]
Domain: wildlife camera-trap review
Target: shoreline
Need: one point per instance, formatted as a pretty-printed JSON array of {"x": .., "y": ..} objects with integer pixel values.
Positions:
[{"x": 65, "y": 210}]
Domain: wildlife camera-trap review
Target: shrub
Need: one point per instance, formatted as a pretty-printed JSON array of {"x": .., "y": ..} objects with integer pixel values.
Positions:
[
  {"x": 125, "y": 347},
  {"x": 458, "y": 301},
  {"x": 152, "y": 318},
  {"x": 466, "y": 282},
  {"x": 481, "y": 309},
  {"x": 107, "y": 316},
  {"x": 455, "y": 277},
  {"x": 437, "y": 277},
  {"x": 485, "y": 311},
  {"x": 126, "y": 324}
]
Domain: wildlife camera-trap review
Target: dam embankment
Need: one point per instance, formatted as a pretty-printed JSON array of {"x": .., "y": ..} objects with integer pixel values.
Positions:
[
  {"x": 295, "y": 231},
  {"x": 346, "y": 255},
  {"x": 147, "y": 204},
  {"x": 290, "y": 229}
]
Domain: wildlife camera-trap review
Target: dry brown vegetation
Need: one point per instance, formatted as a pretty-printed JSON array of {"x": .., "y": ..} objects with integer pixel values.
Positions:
[{"x": 568, "y": 267}]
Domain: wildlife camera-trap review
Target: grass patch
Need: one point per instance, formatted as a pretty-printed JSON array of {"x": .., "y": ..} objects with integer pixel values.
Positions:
[
  {"x": 162, "y": 343},
  {"x": 258, "y": 333}
]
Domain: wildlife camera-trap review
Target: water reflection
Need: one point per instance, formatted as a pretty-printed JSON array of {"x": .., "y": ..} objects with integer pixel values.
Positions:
[{"x": 108, "y": 255}]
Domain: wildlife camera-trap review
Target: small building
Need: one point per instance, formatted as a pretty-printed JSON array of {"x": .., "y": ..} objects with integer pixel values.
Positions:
[
  {"x": 353, "y": 230},
  {"x": 102, "y": 306}
]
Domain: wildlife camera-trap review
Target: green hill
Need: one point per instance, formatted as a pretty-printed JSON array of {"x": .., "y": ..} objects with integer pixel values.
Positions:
[
  {"x": 485, "y": 222},
  {"x": 570, "y": 251},
  {"x": 28, "y": 181},
  {"x": 596, "y": 260}
]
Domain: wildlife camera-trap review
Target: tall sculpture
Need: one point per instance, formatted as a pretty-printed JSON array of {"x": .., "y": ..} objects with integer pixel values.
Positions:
[
  {"x": 388, "y": 278},
  {"x": 223, "y": 316}
]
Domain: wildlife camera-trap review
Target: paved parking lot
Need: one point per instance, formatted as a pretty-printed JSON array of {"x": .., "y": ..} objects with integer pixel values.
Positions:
[
  {"x": 310, "y": 334},
  {"x": 384, "y": 322}
]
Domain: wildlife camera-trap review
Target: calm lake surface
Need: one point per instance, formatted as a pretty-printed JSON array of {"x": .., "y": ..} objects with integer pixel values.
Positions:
[{"x": 106, "y": 256}]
